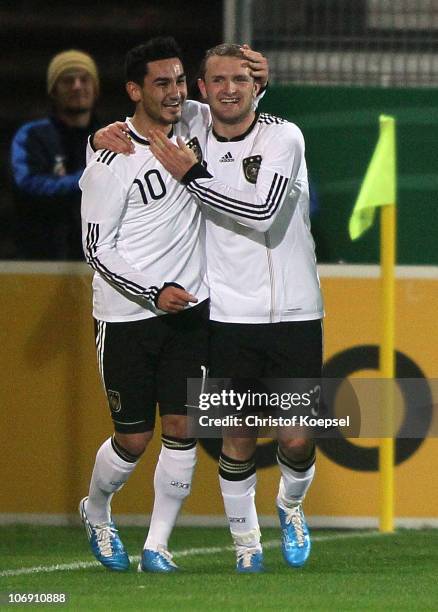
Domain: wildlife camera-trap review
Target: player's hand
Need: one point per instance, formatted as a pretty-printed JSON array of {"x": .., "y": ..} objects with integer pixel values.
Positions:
[
  {"x": 114, "y": 137},
  {"x": 258, "y": 65},
  {"x": 177, "y": 160},
  {"x": 174, "y": 299}
]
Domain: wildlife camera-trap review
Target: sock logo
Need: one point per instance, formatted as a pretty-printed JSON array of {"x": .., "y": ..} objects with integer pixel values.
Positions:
[
  {"x": 237, "y": 519},
  {"x": 180, "y": 485}
]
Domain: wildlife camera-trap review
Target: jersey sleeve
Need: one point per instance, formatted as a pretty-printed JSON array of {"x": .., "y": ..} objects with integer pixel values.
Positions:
[
  {"x": 90, "y": 150},
  {"x": 282, "y": 173},
  {"x": 104, "y": 198},
  {"x": 27, "y": 161}
]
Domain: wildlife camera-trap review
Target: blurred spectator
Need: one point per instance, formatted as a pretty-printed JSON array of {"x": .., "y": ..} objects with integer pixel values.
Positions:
[{"x": 48, "y": 158}]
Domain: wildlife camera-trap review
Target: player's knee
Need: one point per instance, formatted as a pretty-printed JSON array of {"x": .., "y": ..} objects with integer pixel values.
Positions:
[
  {"x": 297, "y": 449},
  {"x": 174, "y": 425},
  {"x": 240, "y": 449},
  {"x": 133, "y": 444}
]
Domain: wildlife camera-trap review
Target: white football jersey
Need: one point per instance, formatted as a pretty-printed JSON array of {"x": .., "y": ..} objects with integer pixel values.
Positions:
[
  {"x": 261, "y": 263},
  {"x": 141, "y": 228}
]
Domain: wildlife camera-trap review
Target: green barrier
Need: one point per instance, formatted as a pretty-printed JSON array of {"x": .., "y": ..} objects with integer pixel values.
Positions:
[{"x": 341, "y": 127}]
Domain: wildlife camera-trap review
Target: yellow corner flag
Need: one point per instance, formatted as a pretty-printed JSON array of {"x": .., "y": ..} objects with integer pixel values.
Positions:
[{"x": 379, "y": 185}]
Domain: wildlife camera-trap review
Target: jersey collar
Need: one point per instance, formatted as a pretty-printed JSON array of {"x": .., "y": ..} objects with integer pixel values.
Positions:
[
  {"x": 241, "y": 136},
  {"x": 136, "y": 137}
]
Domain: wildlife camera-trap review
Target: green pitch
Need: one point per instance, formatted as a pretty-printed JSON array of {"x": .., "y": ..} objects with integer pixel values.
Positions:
[{"x": 346, "y": 571}]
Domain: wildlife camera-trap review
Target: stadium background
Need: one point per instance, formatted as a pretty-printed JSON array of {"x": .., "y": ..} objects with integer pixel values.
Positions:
[{"x": 335, "y": 66}]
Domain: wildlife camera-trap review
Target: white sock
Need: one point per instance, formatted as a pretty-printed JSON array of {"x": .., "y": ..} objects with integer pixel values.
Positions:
[
  {"x": 109, "y": 475},
  {"x": 239, "y": 503},
  {"x": 293, "y": 485},
  {"x": 172, "y": 484}
]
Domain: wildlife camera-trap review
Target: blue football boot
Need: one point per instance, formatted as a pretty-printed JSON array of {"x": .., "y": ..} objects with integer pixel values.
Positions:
[
  {"x": 249, "y": 560},
  {"x": 157, "y": 561},
  {"x": 295, "y": 543},
  {"x": 105, "y": 543}
]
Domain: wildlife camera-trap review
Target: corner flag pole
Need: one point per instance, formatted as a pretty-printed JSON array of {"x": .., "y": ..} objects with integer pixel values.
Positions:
[
  {"x": 387, "y": 363},
  {"x": 379, "y": 190}
]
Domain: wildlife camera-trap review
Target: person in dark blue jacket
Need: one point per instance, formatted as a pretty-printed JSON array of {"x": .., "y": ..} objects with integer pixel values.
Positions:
[{"x": 48, "y": 158}]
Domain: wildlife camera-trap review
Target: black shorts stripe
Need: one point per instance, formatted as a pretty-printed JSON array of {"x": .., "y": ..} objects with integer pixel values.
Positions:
[{"x": 100, "y": 346}]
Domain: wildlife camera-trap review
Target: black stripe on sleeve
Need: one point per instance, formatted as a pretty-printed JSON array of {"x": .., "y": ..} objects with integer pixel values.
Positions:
[
  {"x": 240, "y": 207},
  {"x": 113, "y": 278},
  {"x": 106, "y": 157}
]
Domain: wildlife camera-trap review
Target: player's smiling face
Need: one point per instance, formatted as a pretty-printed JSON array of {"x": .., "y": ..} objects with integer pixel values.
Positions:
[
  {"x": 228, "y": 88},
  {"x": 163, "y": 93}
]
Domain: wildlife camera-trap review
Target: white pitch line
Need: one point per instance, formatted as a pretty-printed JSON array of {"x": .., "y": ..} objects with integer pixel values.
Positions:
[{"x": 65, "y": 567}]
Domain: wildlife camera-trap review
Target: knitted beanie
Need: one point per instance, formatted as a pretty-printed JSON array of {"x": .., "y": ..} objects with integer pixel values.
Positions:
[{"x": 71, "y": 60}]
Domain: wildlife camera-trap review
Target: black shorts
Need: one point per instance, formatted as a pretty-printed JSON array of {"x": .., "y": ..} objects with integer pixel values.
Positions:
[
  {"x": 266, "y": 350},
  {"x": 147, "y": 362},
  {"x": 264, "y": 362}
]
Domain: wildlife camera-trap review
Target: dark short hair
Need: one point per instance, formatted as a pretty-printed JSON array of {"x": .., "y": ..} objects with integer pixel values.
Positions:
[
  {"x": 136, "y": 61},
  {"x": 223, "y": 50}
]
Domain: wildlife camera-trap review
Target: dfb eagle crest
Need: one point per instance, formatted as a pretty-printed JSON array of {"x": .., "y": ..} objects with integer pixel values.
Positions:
[
  {"x": 251, "y": 167},
  {"x": 194, "y": 145},
  {"x": 114, "y": 401}
]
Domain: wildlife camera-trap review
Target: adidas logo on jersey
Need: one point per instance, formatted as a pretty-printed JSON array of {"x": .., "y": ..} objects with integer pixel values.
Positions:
[{"x": 227, "y": 158}]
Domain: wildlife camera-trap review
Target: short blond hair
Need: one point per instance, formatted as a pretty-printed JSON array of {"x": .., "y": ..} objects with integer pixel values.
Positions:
[{"x": 223, "y": 50}]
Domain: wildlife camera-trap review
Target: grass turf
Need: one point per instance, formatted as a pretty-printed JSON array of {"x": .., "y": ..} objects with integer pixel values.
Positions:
[{"x": 346, "y": 571}]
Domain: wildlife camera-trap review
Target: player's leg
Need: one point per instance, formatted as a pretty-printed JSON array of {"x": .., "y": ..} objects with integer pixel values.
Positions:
[
  {"x": 125, "y": 382},
  {"x": 237, "y": 479},
  {"x": 296, "y": 478},
  {"x": 172, "y": 485},
  {"x": 183, "y": 354},
  {"x": 296, "y": 354},
  {"x": 233, "y": 355}
]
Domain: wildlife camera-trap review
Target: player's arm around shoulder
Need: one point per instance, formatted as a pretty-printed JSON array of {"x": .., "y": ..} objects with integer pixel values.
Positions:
[{"x": 114, "y": 137}]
